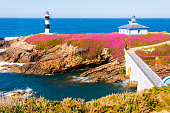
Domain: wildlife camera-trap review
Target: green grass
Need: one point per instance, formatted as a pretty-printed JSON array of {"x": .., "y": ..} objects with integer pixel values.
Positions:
[
  {"x": 48, "y": 44},
  {"x": 156, "y": 99}
]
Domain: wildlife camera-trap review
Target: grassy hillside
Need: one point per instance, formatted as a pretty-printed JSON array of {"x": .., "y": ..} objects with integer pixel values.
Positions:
[{"x": 156, "y": 99}]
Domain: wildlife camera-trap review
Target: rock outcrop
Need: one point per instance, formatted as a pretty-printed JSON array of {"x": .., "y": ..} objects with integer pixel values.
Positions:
[
  {"x": 162, "y": 70},
  {"x": 22, "y": 93},
  {"x": 132, "y": 84},
  {"x": 4, "y": 44},
  {"x": 107, "y": 73},
  {"x": 61, "y": 58}
]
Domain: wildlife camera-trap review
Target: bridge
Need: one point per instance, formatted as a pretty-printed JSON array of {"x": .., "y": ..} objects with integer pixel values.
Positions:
[{"x": 140, "y": 72}]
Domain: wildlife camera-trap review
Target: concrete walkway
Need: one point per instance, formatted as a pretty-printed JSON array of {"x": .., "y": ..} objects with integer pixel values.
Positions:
[{"x": 149, "y": 73}]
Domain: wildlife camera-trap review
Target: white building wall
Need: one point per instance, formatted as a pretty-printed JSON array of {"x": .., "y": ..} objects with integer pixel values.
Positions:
[
  {"x": 120, "y": 30},
  {"x": 136, "y": 74},
  {"x": 123, "y": 31},
  {"x": 144, "y": 31},
  {"x": 129, "y": 32},
  {"x": 134, "y": 32}
]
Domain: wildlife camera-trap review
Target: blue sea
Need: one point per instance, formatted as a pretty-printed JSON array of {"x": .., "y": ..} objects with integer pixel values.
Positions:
[
  {"x": 11, "y": 27},
  {"x": 59, "y": 86}
]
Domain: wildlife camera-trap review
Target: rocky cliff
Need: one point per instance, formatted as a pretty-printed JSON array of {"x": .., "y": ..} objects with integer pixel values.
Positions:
[{"x": 61, "y": 58}]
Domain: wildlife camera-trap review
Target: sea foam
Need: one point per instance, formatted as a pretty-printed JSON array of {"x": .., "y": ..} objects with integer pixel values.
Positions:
[
  {"x": 84, "y": 79},
  {"x": 6, "y": 63},
  {"x": 11, "y": 93},
  {"x": 10, "y": 38}
]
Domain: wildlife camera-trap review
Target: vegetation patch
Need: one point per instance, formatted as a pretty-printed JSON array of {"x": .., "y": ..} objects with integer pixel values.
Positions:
[
  {"x": 156, "y": 99},
  {"x": 92, "y": 44},
  {"x": 143, "y": 40},
  {"x": 159, "y": 54}
]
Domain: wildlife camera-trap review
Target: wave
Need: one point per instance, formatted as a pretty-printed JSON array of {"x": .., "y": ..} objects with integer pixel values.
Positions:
[
  {"x": 5, "y": 69},
  {"x": 10, "y": 38},
  {"x": 84, "y": 79},
  {"x": 28, "y": 92},
  {"x": 2, "y": 50}
]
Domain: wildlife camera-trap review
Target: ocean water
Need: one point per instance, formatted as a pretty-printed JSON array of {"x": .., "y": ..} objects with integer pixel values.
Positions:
[
  {"x": 61, "y": 86},
  {"x": 11, "y": 27}
]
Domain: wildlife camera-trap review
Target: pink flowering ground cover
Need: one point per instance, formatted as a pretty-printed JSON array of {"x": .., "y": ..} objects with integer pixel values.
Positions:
[
  {"x": 143, "y": 40},
  {"x": 162, "y": 52},
  {"x": 94, "y": 43}
]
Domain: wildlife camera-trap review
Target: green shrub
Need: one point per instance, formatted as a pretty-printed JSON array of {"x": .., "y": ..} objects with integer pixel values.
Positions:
[{"x": 155, "y": 99}]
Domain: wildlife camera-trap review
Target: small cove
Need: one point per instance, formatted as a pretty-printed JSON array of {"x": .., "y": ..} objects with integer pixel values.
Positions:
[{"x": 59, "y": 86}]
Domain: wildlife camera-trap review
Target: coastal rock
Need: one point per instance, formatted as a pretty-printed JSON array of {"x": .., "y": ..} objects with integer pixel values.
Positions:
[
  {"x": 6, "y": 65},
  {"x": 22, "y": 93},
  {"x": 4, "y": 44},
  {"x": 132, "y": 84},
  {"x": 48, "y": 61},
  {"x": 162, "y": 70},
  {"x": 106, "y": 73},
  {"x": 108, "y": 79}
]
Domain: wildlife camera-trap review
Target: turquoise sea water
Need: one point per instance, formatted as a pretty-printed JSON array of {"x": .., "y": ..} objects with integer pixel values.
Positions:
[{"x": 59, "y": 86}]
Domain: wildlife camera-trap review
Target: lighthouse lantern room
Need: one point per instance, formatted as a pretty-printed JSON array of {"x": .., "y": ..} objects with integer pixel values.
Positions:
[{"x": 47, "y": 22}]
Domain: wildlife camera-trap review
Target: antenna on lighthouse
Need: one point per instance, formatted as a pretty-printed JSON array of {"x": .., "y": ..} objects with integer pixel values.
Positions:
[{"x": 47, "y": 22}]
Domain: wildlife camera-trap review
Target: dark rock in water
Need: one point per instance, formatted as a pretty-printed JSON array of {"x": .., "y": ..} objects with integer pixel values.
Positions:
[
  {"x": 31, "y": 92},
  {"x": 62, "y": 86}
]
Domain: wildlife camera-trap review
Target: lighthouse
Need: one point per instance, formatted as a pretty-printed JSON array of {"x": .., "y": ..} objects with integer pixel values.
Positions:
[
  {"x": 133, "y": 28},
  {"x": 47, "y": 22}
]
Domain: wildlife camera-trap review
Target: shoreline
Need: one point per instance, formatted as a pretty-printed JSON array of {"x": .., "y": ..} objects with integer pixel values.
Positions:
[
  {"x": 59, "y": 59},
  {"x": 19, "y": 45}
]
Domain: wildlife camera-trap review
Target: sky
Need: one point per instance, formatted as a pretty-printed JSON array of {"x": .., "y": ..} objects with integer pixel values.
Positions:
[{"x": 85, "y": 8}]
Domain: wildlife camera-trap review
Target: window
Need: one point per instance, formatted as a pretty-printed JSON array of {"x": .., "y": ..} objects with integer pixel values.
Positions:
[{"x": 138, "y": 31}]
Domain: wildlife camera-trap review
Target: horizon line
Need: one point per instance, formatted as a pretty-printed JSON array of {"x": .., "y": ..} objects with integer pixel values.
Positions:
[{"x": 87, "y": 18}]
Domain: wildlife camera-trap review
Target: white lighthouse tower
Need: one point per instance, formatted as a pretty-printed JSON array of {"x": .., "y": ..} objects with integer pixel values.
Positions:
[{"x": 47, "y": 22}]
